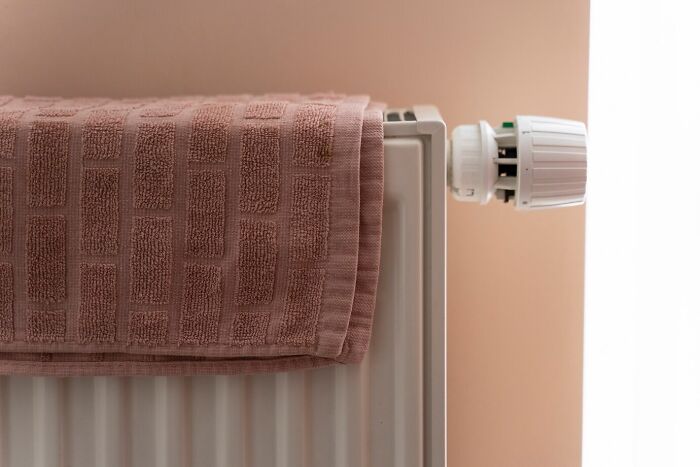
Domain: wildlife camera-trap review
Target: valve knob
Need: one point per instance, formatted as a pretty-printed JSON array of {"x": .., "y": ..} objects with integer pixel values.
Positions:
[{"x": 539, "y": 162}]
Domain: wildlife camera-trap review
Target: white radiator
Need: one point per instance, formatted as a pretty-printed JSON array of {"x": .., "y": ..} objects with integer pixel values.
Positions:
[{"x": 387, "y": 411}]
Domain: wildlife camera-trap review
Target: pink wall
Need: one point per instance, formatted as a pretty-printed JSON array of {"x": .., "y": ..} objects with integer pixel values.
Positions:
[{"x": 515, "y": 280}]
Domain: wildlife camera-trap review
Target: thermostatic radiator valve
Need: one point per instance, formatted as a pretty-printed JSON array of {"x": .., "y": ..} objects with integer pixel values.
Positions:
[{"x": 538, "y": 162}]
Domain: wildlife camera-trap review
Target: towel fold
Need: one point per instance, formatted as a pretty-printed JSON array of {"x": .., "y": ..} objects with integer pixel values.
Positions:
[{"x": 189, "y": 235}]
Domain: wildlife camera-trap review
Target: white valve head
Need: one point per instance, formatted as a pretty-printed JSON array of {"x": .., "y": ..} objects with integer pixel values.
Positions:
[
  {"x": 539, "y": 162},
  {"x": 474, "y": 174}
]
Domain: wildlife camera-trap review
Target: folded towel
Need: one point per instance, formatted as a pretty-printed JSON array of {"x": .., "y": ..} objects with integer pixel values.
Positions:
[{"x": 190, "y": 235}]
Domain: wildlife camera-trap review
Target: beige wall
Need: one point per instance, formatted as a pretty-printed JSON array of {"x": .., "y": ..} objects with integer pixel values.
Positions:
[{"x": 515, "y": 280}]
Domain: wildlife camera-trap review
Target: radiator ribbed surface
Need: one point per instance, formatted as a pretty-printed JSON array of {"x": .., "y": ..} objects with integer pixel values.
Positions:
[
  {"x": 203, "y": 421},
  {"x": 346, "y": 416}
]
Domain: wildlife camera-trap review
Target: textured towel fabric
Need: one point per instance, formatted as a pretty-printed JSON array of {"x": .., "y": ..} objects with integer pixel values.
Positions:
[{"x": 190, "y": 235}]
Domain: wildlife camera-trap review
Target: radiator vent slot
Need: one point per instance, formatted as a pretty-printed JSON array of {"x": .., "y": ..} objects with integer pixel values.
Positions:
[{"x": 399, "y": 115}]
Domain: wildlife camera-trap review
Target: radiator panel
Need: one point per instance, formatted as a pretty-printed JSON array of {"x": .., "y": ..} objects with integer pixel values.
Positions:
[{"x": 370, "y": 414}]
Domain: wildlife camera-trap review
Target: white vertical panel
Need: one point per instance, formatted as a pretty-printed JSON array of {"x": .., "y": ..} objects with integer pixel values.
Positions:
[
  {"x": 202, "y": 426},
  {"x": 110, "y": 399},
  {"x": 20, "y": 440},
  {"x": 352, "y": 420},
  {"x": 78, "y": 427},
  {"x": 48, "y": 416},
  {"x": 232, "y": 397},
  {"x": 322, "y": 414},
  {"x": 172, "y": 421},
  {"x": 262, "y": 423},
  {"x": 4, "y": 421},
  {"x": 142, "y": 422},
  {"x": 291, "y": 421}
]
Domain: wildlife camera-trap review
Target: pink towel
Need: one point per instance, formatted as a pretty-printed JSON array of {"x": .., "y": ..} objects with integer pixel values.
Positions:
[{"x": 190, "y": 235}]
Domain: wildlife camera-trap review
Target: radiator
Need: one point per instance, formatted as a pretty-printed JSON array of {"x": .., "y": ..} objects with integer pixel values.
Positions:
[{"x": 387, "y": 411}]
